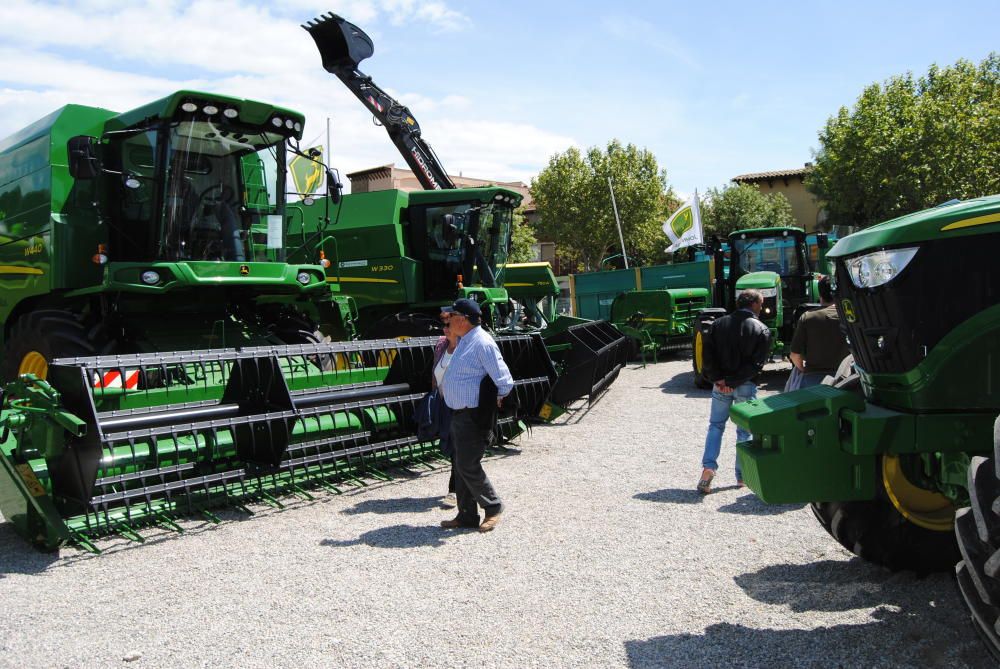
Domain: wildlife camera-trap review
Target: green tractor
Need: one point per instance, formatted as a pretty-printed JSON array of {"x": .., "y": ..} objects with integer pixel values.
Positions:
[
  {"x": 162, "y": 354},
  {"x": 774, "y": 261},
  {"x": 899, "y": 455}
]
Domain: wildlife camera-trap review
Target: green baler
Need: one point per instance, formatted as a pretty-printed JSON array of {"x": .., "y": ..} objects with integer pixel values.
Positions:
[
  {"x": 665, "y": 318},
  {"x": 889, "y": 452},
  {"x": 162, "y": 354}
]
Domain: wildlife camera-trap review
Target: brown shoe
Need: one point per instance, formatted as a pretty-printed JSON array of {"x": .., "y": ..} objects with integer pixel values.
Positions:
[
  {"x": 705, "y": 484},
  {"x": 456, "y": 523},
  {"x": 490, "y": 522}
]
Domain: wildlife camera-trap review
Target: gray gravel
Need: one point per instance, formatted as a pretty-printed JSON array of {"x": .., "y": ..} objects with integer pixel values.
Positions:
[{"x": 606, "y": 557}]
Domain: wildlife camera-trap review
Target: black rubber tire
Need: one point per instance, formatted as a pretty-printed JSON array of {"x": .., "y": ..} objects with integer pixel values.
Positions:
[
  {"x": 405, "y": 324},
  {"x": 53, "y": 333},
  {"x": 977, "y": 529},
  {"x": 874, "y": 529},
  {"x": 293, "y": 328}
]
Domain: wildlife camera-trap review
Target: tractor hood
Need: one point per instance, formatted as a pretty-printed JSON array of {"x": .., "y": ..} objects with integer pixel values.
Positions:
[{"x": 958, "y": 219}]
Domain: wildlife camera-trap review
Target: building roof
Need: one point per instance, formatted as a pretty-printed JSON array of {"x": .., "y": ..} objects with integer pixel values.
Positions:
[{"x": 774, "y": 174}]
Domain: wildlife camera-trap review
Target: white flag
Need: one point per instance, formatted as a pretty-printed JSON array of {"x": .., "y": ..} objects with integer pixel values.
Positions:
[{"x": 684, "y": 226}]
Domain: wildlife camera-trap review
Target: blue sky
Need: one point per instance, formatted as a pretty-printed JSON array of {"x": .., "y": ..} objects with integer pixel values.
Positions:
[{"x": 712, "y": 89}]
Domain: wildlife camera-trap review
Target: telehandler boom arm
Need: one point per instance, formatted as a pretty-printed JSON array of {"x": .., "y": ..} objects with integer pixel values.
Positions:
[{"x": 342, "y": 46}]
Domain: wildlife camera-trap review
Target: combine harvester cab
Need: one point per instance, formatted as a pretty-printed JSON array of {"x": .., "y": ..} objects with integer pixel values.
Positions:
[{"x": 898, "y": 456}]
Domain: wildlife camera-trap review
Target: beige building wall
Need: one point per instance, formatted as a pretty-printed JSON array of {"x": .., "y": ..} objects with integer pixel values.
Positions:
[
  {"x": 389, "y": 177},
  {"x": 806, "y": 209}
]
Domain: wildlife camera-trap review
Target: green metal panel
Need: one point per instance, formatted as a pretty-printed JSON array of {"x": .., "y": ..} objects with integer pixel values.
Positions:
[
  {"x": 596, "y": 291},
  {"x": 680, "y": 275}
]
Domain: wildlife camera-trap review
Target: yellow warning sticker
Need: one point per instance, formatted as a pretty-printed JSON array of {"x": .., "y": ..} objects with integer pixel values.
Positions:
[
  {"x": 31, "y": 482},
  {"x": 545, "y": 411}
]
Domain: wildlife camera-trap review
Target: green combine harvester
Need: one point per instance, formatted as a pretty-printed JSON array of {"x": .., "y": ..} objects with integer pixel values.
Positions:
[
  {"x": 899, "y": 455},
  {"x": 162, "y": 354},
  {"x": 775, "y": 261},
  {"x": 402, "y": 255}
]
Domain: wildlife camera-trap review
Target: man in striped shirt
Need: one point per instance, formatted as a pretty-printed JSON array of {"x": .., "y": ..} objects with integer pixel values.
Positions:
[{"x": 476, "y": 357}]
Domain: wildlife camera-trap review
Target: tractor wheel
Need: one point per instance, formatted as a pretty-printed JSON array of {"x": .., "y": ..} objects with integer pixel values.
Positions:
[
  {"x": 39, "y": 337},
  {"x": 697, "y": 362},
  {"x": 978, "y": 531},
  {"x": 904, "y": 527}
]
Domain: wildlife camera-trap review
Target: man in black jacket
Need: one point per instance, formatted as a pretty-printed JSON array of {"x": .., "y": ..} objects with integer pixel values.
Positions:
[{"x": 735, "y": 350}]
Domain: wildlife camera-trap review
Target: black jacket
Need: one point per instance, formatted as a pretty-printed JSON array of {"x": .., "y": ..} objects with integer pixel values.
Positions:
[{"x": 736, "y": 348}]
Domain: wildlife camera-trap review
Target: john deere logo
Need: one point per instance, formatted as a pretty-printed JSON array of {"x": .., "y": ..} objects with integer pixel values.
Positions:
[
  {"x": 848, "y": 311},
  {"x": 307, "y": 174},
  {"x": 244, "y": 270},
  {"x": 682, "y": 222}
]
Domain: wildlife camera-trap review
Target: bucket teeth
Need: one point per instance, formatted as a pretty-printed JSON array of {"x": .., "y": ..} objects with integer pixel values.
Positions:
[{"x": 131, "y": 441}]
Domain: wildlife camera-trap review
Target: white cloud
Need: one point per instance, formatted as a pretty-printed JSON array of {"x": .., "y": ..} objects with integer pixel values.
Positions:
[{"x": 120, "y": 56}]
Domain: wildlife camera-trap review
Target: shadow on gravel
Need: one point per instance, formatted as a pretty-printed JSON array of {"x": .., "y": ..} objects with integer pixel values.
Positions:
[
  {"x": 397, "y": 505},
  {"x": 898, "y": 639},
  {"x": 396, "y": 536},
  {"x": 671, "y": 496},
  {"x": 18, "y": 557},
  {"x": 915, "y": 622},
  {"x": 750, "y": 505}
]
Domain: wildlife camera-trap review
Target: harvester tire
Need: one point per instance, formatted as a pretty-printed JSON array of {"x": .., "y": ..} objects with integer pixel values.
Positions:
[
  {"x": 875, "y": 529},
  {"x": 294, "y": 329},
  {"x": 38, "y": 337},
  {"x": 977, "y": 529}
]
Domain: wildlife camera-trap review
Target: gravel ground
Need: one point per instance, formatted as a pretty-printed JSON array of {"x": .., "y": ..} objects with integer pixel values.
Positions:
[{"x": 606, "y": 557}]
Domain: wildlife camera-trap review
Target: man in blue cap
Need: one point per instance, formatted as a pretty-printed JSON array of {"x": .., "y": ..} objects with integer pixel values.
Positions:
[{"x": 476, "y": 357}]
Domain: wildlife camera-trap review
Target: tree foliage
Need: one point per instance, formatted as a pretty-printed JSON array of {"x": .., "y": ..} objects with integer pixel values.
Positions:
[
  {"x": 911, "y": 143},
  {"x": 575, "y": 210},
  {"x": 741, "y": 206},
  {"x": 521, "y": 240}
]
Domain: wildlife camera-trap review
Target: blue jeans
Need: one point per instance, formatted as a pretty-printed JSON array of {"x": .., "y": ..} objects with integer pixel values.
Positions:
[{"x": 717, "y": 418}]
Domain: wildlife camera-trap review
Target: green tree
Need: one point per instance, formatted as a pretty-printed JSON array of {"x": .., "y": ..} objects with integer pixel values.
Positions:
[
  {"x": 521, "y": 239},
  {"x": 911, "y": 143},
  {"x": 743, "y": 206},
  {"x": 574, "y": 203}
]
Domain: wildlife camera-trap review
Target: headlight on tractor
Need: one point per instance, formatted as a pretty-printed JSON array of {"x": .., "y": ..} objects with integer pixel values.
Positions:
[
  {"x": 304, "y": 278},
  {"x": 768, "y": 292},
  {"x": 875, "y": 269}
]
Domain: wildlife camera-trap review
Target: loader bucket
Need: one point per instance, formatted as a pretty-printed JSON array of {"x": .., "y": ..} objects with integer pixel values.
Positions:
[
  {"x": 341, "y": 44},
  {"x": 591, "y": 355},
  {"x": 85, "y": 455}
]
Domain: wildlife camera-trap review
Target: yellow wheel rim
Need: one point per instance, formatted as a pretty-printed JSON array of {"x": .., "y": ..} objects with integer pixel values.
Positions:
[
  {"x": 930, "y": 510},
  {"x": 697, "y": 351},
  {"x": 35, "y": 363}
]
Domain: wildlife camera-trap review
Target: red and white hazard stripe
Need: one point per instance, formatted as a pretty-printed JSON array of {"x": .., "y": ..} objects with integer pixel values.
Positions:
[{"x": 114, "y": 379}]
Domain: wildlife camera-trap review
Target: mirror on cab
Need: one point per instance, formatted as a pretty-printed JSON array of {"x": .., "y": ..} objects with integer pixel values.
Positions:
[{"x": 84, "y": 163}]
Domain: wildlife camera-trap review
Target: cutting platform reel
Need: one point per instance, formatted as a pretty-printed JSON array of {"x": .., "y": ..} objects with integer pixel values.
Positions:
[{"x": 176, "y": 434}]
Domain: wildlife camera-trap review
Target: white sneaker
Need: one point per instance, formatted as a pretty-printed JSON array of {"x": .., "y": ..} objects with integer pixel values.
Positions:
[{"x": 449, "y": 501}]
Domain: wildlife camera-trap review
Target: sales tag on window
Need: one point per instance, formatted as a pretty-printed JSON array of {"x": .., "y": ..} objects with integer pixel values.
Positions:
[{"x": 274, "y": 232}]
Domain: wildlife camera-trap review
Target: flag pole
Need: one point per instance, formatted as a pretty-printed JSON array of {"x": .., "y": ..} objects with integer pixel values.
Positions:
[{"x": 618, "y": 221}]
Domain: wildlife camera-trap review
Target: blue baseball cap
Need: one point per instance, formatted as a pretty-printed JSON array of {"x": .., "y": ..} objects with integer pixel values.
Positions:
[{"x": 466, "y": 307}]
